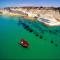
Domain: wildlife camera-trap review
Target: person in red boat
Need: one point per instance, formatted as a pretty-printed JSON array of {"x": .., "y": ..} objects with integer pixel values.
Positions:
[{"x": 24, "y": 43}]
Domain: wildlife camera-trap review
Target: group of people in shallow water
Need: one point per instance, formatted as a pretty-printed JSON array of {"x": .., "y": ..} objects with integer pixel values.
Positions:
[{"x": 31, "y": 30}]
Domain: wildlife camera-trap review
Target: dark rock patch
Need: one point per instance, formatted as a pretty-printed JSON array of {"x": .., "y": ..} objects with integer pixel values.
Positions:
[
  {"x": 50, "y": 31},
  {"x": 26, "y": 27},
  {"x": 30, "y": 30},
  {"x": 52, "y": 42},
  {"x": 37, "y": 35},
  {"x": 56, "y": 45},
  {"x": 44, "y": 39},
  {"x": 19, "y": 22},
  {"x": 41, "y": 37},
  {"x": 23, "y": 24},
  {"x": 56, "y": 30}
]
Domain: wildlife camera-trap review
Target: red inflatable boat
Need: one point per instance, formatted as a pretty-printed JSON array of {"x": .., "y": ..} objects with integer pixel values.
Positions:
[{"x": 24, "y": 43}]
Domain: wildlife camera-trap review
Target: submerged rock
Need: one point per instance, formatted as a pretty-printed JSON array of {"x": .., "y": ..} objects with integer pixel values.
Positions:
[
  {"x": 37, "y": 35},
  {"x": 31, "y": 30},
  {"x": 52, "y": 42},
  {"x": 26, "y": 27},
  {"x": 56, "y": 45},
  {"x": 19, "y": 22},
  {"x": 23, "y": 24},
  {"x": 50, "y": 31},
  {"x": 41, "y": 37},
  {"x": 44, "y": 39}
]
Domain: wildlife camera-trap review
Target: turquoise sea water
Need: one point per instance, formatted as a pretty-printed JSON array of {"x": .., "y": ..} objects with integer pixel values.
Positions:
[{"x": 44, "y": 46}]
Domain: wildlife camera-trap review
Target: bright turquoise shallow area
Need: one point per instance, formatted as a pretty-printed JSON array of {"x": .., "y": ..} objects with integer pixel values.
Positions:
[{"x": 11, "y": 33}]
